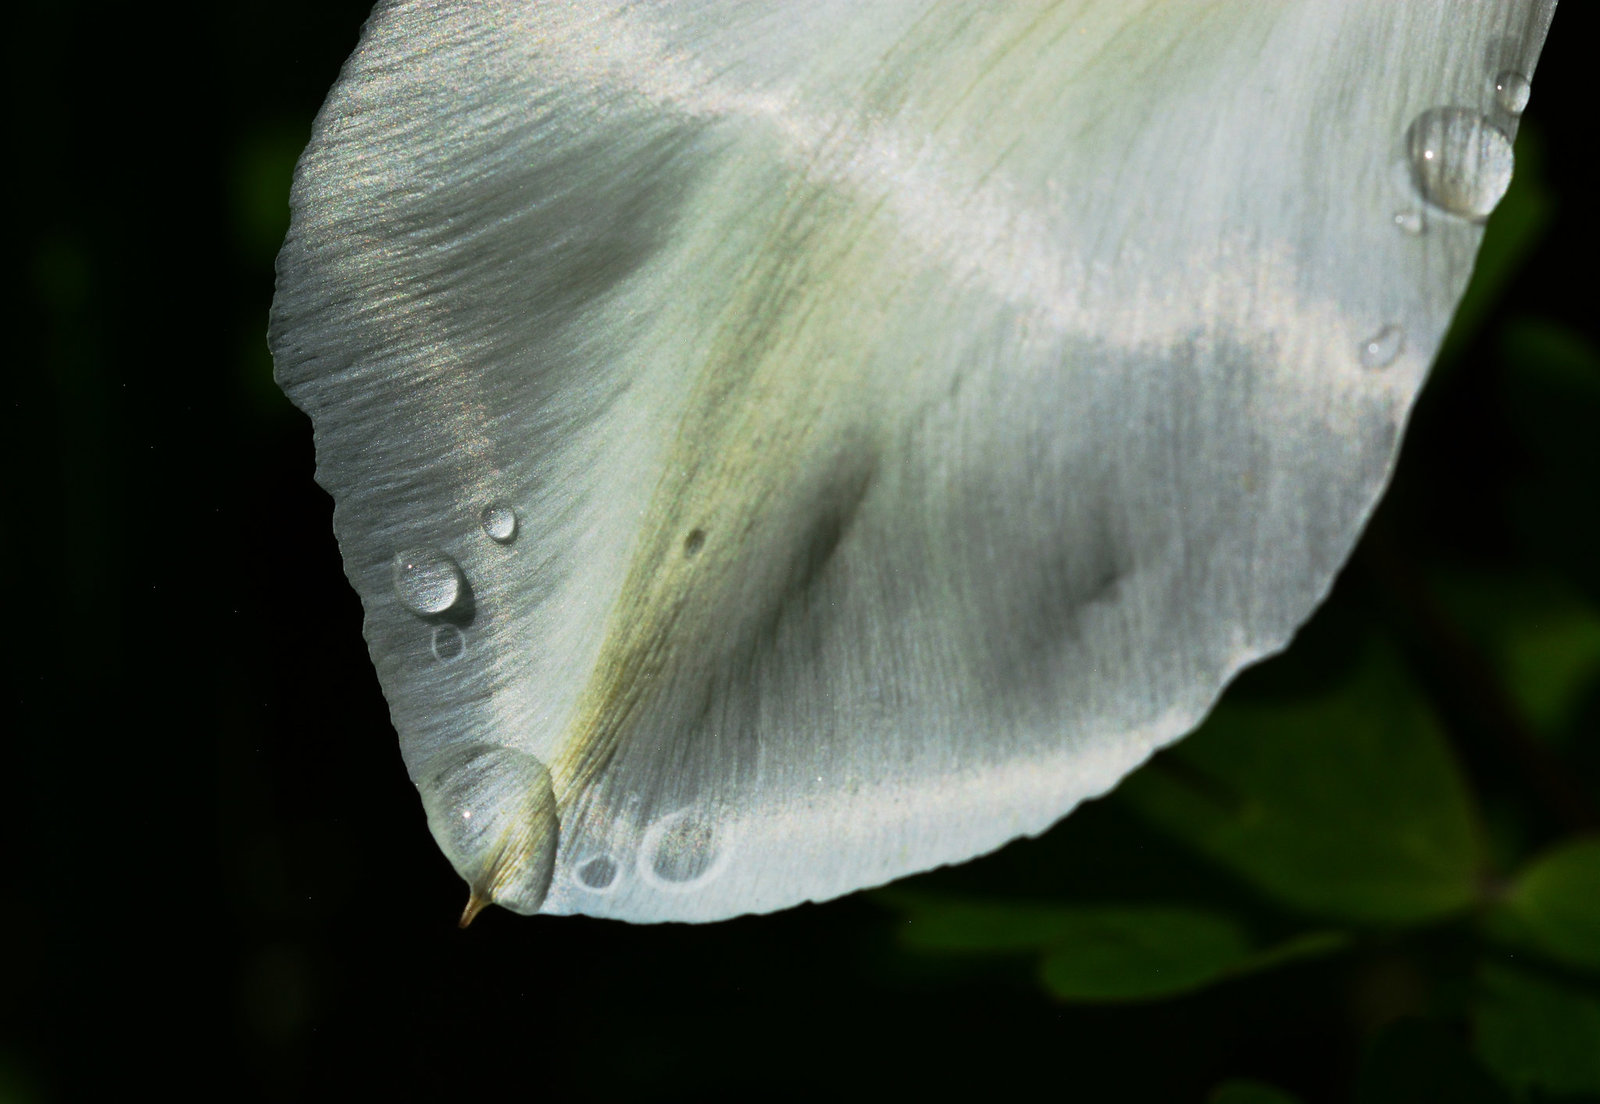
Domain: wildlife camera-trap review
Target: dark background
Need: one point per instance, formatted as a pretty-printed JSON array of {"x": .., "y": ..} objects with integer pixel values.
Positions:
[{"x": 219, "y": 877}]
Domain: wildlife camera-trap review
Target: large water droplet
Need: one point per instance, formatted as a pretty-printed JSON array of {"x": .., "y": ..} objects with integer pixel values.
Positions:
[
  {"x": 493, "y": 811},
  {"x": 426, "y": 580},
  {"x": 598, "y": 873},
  {"x": 684, "y": 848},
  {"x": 1511, "y": 91},
  {"x": 1380, "y": 350},
  {"x": 1460, "y": 162},
  {"x": 448, "y": 643},
  {"x": 500, "y": 523}
]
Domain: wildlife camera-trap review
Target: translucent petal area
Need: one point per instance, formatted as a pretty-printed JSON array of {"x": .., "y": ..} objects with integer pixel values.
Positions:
[{"x": 907, "y": 417}]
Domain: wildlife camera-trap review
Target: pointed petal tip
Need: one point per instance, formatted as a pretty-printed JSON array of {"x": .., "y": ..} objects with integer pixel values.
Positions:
[{"x": 475, "y": 904}]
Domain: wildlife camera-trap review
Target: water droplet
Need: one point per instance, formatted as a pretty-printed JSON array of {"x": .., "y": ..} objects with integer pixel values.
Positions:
[
  {"x": 426, "y": 580},
  {"x": 1511, "y": 91},
  {"x": 695, "y": 541},
  {"x": 1380, "y": 350},
  {"x": 1410, "y": 222},
  {"x": 598, "y": 873},
  {"x": 493, "y": 811},
  {"x": 684, "y": 849},
  {"x": 448, "y": 643},
  {"x": 500, "y": 523},
  {"x": 1460, "y": 162}
]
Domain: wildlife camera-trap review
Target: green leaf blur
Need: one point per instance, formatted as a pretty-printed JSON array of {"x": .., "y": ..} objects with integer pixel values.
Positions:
[
  {"x": 1555, "y": 905},
  {"x": 1415, "y": 1061},
  {"x": 1538, "y": 1033},
  {"x": 1103, "y": 952},
  {"x": 1343, "y": 804},
  {"x": 1249, "y": 1092}
]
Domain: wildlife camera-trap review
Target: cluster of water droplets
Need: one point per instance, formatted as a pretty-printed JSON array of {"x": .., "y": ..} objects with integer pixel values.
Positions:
[
  {"x": 676, "y": 852},
  {"x": 1460, "y": 160},
  {"x": 1459, "y": 163},
  {"x": 430, "y": 584}
]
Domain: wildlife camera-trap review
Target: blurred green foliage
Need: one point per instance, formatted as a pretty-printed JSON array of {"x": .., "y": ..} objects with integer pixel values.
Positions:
[
  {"x": 1554, "y": 905},
  {"x": 1103, "y": 952},
  {"x": 1538, "y": 1032},
  {"x": 1342, "y": 803},
  {"x": 1414, "y": 1061},
  {"x": 1248, "y": 1092}
]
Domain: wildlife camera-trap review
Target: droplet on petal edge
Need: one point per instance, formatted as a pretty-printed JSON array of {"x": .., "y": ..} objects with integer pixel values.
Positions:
[
  {"x": 598, "y": 873},
  {"x": 1511, "y": 92},
  {"x": 493, "y": 812},
  {"x": 681, "y": 849},
  {"x": 1460, "y": 162}
]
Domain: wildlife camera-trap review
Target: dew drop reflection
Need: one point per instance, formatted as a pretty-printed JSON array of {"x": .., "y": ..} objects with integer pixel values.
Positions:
[{"x": 426, "y": 581}]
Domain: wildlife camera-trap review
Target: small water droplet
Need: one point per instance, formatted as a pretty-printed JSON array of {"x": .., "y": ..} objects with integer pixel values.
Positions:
[
  {"x": 1410, "y": 222},
  {"x": 598, "y": 873},
  {"x": 1460, "y": 162},
  {"x": 685, "y": 848},
  {"x": 448, "y": 643},
  {"x": 1511, "y": 91},
  {"x": 500, "y": 523},
  {"x": 1381, "y": 349}
]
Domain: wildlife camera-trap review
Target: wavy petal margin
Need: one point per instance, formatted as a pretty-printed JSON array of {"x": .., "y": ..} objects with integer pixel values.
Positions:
[{"x": 785, "y": 446}]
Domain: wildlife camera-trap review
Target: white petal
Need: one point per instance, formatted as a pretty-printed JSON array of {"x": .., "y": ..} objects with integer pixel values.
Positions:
[{"x": 819, "y": 441}]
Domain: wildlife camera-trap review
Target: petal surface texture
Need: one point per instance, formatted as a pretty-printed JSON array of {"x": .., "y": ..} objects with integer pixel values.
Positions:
[{"x": 781, "y": 447}]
